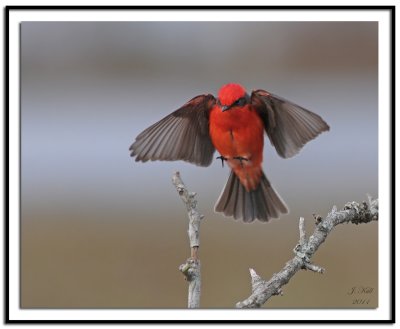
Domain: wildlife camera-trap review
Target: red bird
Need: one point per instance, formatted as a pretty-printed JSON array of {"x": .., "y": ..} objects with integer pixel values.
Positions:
[{"x": 234, "y": 124}]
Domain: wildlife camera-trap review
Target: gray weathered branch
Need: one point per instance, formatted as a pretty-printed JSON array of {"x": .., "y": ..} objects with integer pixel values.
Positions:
[
  {"x": 353, "y": 212},
  {"x": 191, "y": 269}
]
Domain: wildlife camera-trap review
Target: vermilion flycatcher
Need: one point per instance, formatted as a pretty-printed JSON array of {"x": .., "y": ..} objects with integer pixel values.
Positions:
[{"x": 234, "y": 124}]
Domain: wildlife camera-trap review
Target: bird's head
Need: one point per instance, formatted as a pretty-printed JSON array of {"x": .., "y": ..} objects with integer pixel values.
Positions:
[{"x": 231, "y": 95}]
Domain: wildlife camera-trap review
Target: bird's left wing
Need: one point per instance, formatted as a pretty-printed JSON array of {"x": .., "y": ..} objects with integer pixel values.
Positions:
[
  {"x": 181, "y": 135},
  {"x": 288, "y": 125}
]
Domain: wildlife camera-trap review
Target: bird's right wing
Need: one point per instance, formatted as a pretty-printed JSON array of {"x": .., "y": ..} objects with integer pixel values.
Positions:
[{"x": 181, "y": 135}]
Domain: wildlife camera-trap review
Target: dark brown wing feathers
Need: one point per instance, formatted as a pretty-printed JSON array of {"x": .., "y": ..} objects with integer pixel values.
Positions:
[
  {"x": 181, "y": 135},
  {"x": 288, "y": 126}
]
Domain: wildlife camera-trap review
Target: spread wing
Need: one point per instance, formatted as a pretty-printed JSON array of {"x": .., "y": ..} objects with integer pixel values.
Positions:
[
  {"x": 181, "y": 135},
  {"x": 288, "y": 126}
]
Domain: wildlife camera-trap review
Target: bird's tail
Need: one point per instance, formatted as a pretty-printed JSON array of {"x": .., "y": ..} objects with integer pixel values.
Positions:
[{"x": 262, "y": 203}]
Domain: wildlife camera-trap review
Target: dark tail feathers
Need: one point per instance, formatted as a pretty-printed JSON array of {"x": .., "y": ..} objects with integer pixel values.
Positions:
[{"x": 263, "y": 203}]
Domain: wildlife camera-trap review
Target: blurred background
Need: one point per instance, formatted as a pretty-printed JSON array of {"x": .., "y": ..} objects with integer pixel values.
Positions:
[{"x": 100, "y": 230}]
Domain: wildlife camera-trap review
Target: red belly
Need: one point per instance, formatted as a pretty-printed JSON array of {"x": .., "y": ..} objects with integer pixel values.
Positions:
[{"x": 239, "y": 132}]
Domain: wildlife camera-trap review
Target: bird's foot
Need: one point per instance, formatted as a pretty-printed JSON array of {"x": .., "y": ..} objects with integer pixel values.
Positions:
[
  {"x": 241, "y": 159},
  {"x": 222, "y": 158}
]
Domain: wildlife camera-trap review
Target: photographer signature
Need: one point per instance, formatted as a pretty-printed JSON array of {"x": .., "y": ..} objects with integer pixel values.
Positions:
[{"x": 360, "y": 294}]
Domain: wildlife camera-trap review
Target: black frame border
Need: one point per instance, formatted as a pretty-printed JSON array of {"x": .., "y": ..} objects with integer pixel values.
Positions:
[{"x": 8, "y": 9}]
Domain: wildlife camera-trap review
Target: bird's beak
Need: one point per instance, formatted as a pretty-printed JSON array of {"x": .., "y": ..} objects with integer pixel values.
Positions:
[{"x": 225, "y": 108}]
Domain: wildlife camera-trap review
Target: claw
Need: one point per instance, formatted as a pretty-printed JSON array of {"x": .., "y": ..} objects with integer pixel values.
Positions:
[
  {"x": 241, "y": 159},
  {"x": 222, "y": 160}
]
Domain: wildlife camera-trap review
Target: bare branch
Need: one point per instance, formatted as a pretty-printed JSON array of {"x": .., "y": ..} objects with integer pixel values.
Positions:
[
  {"x": 302, "y": 229},
  {"x": 353, "y": 212},
  {"x": 191, "y": 269},
  {"x": 314, "y": 268}
]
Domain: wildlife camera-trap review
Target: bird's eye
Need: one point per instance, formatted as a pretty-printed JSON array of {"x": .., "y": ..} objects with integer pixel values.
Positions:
[{"x": 240, "y": 102}]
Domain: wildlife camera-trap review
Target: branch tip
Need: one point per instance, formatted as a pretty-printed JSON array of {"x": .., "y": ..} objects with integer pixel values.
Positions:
[
  {"x": 314, "y": 268},
  {"x": 302, "y": 230},
  {"x": 317, "y": 218},
  {"x": 254, "y": 275}
]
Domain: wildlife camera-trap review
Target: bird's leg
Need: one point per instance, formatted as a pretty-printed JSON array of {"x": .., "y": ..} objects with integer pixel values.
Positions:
[
  {"x": 222, "y": 159},
  {"x": 241, "y": 159}
]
